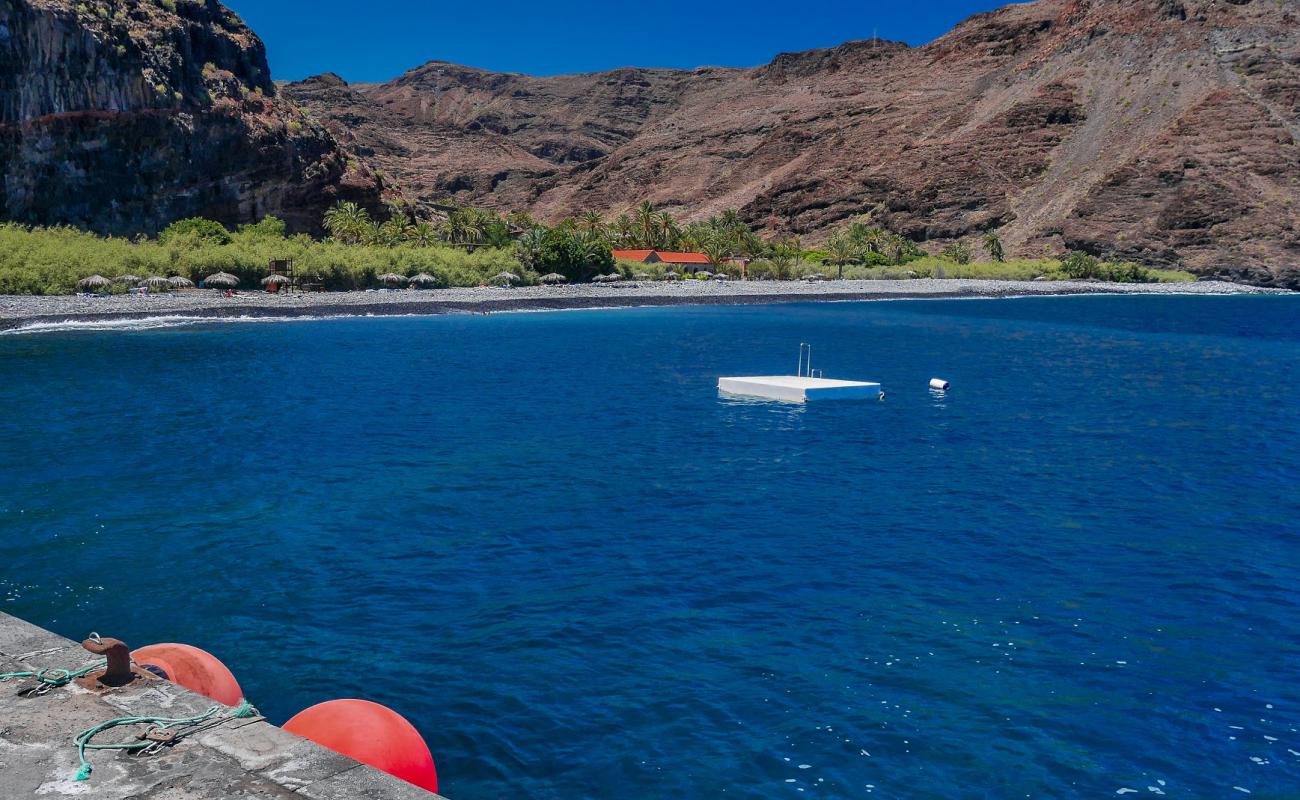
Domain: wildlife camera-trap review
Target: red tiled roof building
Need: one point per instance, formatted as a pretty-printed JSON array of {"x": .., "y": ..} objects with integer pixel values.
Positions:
[{"x": 662, "y": 257}]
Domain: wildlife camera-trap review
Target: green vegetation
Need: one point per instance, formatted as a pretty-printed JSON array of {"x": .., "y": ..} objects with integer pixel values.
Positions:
[
  {"x": 471, "y": 245},
  {"x": 52, "y": 260}
]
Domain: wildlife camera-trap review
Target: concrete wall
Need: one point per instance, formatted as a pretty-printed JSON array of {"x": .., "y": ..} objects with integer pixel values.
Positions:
[{"x": 242, "y": 758}]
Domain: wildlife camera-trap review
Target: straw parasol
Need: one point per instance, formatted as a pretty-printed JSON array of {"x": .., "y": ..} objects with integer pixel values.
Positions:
[
  {"x": 722, "y": 276},
  {"x": 221, "y": 280},
  {"x": 505, "y": 277},
  {"x": 270, "y": 279},
  {"x": 704, "y": 273},
  {"x": 392, "y": 277},
  {"x": 127, "y": 279},
  {"x": 423, "y": 278},
  {"x": 552, "y": 277},
  {"x": 642, "y": 276},
  {"x": 94, "y": 282},
  {"x": 672, "y": 275},
  {"x": 156, "y": 282},
  {"x": 816, "y": 276},
  {"x": 179, "y": 282}
]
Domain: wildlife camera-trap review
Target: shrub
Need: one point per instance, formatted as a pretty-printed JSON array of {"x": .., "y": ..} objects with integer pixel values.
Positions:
[
  {"x": 205, "y": 230},
  {"x": 52, "y": 260},
  {"x": 1080, "y": 265},
  {"x": 956, "y": 252},
  {"x": 566, "y": 252}
]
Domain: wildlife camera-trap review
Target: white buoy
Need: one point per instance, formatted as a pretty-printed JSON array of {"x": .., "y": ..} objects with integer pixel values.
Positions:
[{"x": 940, "y": 384}]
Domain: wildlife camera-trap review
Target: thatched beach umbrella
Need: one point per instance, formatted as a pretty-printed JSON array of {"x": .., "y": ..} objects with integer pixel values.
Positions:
[
  {"x": 642, "y": 276},
  {"x": 156, "y": 282},
  {"x": 392, "y": 277},
  {"x": 672, "y": 275},
  {"x": 94, "y": 282},
  {"x": 270, "y": 279},
  {"x": 722, "y": 276},
  {"x": 221, "y": 280},
  {"x": 179, "y": 282},
  {"x": 505, "y": 278},
  {"x": 704, "y": 273},
  {"x": 423, "y": 279},
  {"x": 552, "y": 277},
  {"x": 132, "y": 279}
]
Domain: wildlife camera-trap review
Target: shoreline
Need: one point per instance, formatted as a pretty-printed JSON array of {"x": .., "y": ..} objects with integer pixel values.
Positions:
[{"x": 44, "y": 313}]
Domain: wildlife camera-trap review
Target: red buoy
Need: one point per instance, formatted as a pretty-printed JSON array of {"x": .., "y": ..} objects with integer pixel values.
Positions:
[
  {"x": 195, "y": 669},
  {"x": 371, "y": 734}
]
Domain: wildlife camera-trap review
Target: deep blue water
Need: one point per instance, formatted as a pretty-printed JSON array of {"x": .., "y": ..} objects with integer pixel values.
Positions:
[{"x": 546, "y": 540}]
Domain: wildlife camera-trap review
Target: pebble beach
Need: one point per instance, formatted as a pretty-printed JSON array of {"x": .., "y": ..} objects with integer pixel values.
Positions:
[{"x": 41, "y": 312}]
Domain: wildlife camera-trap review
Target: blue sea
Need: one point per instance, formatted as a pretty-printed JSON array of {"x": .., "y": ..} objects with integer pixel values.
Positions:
[{"x": 547, "y": 541}]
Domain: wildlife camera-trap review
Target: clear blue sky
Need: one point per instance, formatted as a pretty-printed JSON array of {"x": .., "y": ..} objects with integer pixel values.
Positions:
[{"x": 380, "y": 39}]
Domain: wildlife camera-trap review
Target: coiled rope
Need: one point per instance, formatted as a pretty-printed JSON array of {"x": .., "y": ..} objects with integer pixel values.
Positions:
[{"x": 153, "y": 740}]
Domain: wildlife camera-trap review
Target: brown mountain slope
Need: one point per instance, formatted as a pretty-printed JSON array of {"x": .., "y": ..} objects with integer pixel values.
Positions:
[
  {"x": 1159, "y": 130},
  {"x": 122, "y": 115}
]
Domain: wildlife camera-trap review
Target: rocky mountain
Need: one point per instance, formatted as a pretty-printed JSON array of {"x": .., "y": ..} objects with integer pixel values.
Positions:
[
  {"x": 1163, "y": 131},
  {"x": 122, "y": 115}
]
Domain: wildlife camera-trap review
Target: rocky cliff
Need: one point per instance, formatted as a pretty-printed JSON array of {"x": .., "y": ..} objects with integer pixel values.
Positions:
[
  {"x": 122, "y": 115},
  {"x": 1163, "y": 131}
]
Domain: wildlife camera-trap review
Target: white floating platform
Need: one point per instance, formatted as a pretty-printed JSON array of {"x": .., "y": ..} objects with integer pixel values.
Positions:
[{"x": 799, "y": 389}]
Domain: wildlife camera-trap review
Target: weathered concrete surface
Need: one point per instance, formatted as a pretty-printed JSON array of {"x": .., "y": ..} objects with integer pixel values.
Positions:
[{"x": 241, "y": 758}]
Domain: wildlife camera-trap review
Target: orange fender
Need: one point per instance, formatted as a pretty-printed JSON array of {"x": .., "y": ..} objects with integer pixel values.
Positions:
[
  {"x": 195, "y": 669},
  {"x": 371, "y": 734}
]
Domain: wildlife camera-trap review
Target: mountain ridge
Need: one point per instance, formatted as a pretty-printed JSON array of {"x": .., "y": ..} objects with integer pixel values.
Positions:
[
  {"x": 1163, "y": 131},
  {"x": 1159, "y": 131}
]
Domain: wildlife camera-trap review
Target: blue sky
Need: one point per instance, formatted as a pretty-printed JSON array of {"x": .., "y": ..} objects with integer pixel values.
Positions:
[{"x": 380, "y": 39}]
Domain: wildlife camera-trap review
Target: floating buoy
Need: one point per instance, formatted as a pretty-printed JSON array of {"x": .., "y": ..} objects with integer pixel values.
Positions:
[
  {"x": 372, "y": 734},
  {"x": 939, "y": 383},
  {"x": 195, "y": 669}
]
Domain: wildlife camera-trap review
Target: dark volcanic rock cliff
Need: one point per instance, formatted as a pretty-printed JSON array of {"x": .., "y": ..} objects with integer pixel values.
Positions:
[
  {"x": 123, "y": 115},
  {"x": 1159, "y": 130}
]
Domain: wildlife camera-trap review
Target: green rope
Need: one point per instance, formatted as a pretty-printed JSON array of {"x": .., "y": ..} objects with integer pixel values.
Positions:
[
  {"x": 61, "y": 677},
  {"x": 244, "y": 709},
  {"x": 54, "y": 677}
]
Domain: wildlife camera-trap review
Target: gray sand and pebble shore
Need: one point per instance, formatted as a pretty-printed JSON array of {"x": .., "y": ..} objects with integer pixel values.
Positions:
[{"x": 25, "y": 312}]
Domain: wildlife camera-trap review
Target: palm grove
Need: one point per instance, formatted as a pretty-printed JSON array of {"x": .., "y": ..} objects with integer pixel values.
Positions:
[{"x": 470, "y": 246}]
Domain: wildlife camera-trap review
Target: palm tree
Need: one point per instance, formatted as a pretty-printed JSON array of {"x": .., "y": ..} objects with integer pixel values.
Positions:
[
  {"x": 646, "y": 223},
  {"x": 464, "y": 226},
  {"x": 867, "y": 238},
  {"x": 422, "y": 234},
  {"x": 595, "y": 250},
  {"x": 993, "y": 242},
  {"x": 840, "y": 250},
  {"x": 347, "y": 222},
  {"x": 666, "y": 230},
  {"x": 520, "y": 221},
  {"x": 784, "y": 255},
  {"x": 529, "y": 247},
  {"x": 730, "y": 220},
  {"x": 718, "y": 250},
  {"x": 957, "y": 252},
  {"x": 591, "y": 222},
  {"x": 392, "y": 232},
  {"x": 624, "y": 229}
]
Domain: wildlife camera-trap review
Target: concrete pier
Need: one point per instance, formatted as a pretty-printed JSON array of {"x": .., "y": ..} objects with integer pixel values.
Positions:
[{"x": 240, "y": 758}]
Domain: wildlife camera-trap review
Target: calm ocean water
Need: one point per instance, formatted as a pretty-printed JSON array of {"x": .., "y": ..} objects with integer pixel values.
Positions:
[{"x": 547, "y": 541}]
